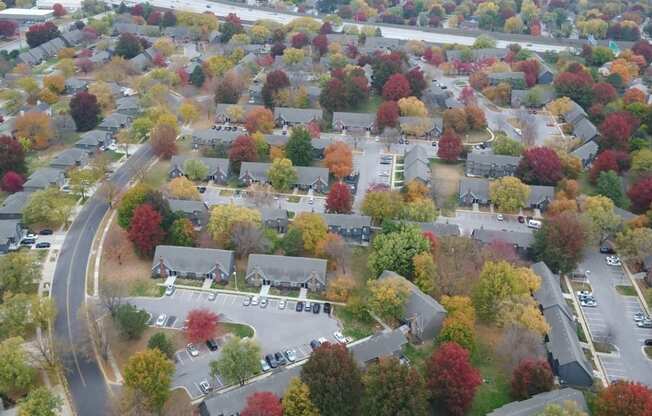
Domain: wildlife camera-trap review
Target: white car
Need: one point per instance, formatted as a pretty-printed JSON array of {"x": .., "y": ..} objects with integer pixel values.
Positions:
[
  {"x": 212, "y": 296},
  {"x": 339, "y": 337},
  {"x": 169, "y": 290},
  {"x": 264, "y": 365},
  {"x": 282, "y": 304},
  {"x": 204, "y": 386},
  {"x": 613, "y": 261},
  {"x": 291, "y": 355},
  {"x": 192, "y": 350},
  {"x": 254, "y": 301},
  {"x": 584, "y": 293},
  {"x": 32, "y": 236},
  {"x": 322, "y": 340},
  {"x": 588, "y": 302},
  {"x": 162, "y": 318},
  {"x": 500, "y": 217}
]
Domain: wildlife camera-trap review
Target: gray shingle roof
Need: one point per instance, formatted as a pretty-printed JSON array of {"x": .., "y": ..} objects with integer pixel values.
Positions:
[
  {"x": 440, "y": 229},
  {"x": 575, "y": 113},
  {"x": 115, "y": 121},
  {"x": 8, "y": 229},
  {"x": 490, "y": 158},
  {"x": 212, "y": 136},
  {"x": 297, "y": 115},
  {"x": 307, "y": 175},
  {"x": 586, "y": 151},
  {"x": 416, "y": 165},
  {"x": 354, "y": 120},
  {"x": 192, "y": 259},
  {"x": 43, "y": 177},
  {"x": 186, "y": 206},
  {"x": 212, "y": 163},
  {"x": 73, "y": 37},
  {"x": 347, "y": 221},
  {"x": 477, "y": 187},
  {"x": 284, "y": 268},
  {"x": 522, "y": 240},
  {"x": 507, "y": 76},
  {"x": 537, "y": 403},
  {"x": 549, "y": 294},
  {"x": 14, "y": 203},
  {"x": 478, "y": 54},
  {"x": 70, "y": 157},
  {"x": 93, "y": 138},
  {"x": 585, "y": 130},
  {"x": 539, "y": 193},
  {"x": 563, "y": 344},
  {"x": 383, "y": 344},
  {"x": 127, "y": 104},
  {"x": 257, "y": 170}
]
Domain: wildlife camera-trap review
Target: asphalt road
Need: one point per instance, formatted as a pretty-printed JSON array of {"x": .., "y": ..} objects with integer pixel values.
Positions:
[
  {"x": 86, "y": 382},
  {"x": 274, "y": 329}
]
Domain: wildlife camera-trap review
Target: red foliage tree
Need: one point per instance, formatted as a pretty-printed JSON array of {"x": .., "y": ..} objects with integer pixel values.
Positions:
[
  {"x": 604, "y": 92},
  {"x": 333, "y": 97},
  {"x": 145, "y": 230},
  {"x": 138, "y": 10},
  {"x": 313, "y": 129},
  {"x": 58, "y": 10},
  {"x": 85, "y": 110},
  {"x": 532, "y": 376},
  {"x": 263, "y": 403},
  {"x": 259, "y": 119},
  {"x": 387, "y": 115},
  {"x": 299, "y": 40},
  {"x": 451, "y": 378},
  {"x": 326, "y": 29},
  {"x": 616, "y": 160},
  {"x": 450, "y": 146},
  {"x": 531, "y": 70},
  {"x": 339, "y": 199},
  {"x": 320, "y": 43},
  {"x": 624, "y": 398},
  {"x": 499, "y": 250},
  {"x": 202, "y": 325},
  {"x": 12, "y": 182},
  {"x": 540, "y": 166},
  {"x": 433, "y": 240},
  {"x": 417, "y": 81},
  {"x": 433, "y": 57},
  {"x": 275, "y": 81},
  {"x": 8, "y": 28},
  {"x": 85, "y": 65},
  {"x": 640, "y": 193},
  {"x": 575, "y": 84},
  {"x": 467, "y": 96},
  {"x": 643, "y": 48},
  {"x": 396, "y": 87},
  {"x": 617, "y": 128},
  {"x": 243, "y": 149},
  {"x": 183, "y": 75},
  {"x": 12, "y": 156},
  {"x": 154, "y": 18},
  {"x": 40, "y": 33}
]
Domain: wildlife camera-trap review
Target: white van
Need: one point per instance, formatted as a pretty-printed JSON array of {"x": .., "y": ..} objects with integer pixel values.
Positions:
[{"x": 536, "y": 224}]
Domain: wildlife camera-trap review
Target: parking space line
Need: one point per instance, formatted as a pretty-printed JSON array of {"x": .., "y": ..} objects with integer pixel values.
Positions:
[{"x": 178, "y": 354}]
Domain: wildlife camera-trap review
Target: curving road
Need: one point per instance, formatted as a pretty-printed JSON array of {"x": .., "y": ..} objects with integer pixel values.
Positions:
[{"x": 86, "y": 382}]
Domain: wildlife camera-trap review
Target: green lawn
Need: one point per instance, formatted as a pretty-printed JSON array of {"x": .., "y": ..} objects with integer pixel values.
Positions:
[
  {"x": 157, "y": 176},
  {"x": 358, "y": 267},
  {"x": 369, "y": 106},
  {"x": 494, "y": 391},
  {"x": 648, "y": 352},
  {"x": 586, "y": 187},
  {"x": 626, "y": 290},
  {"x": 418, "y": 354},
  {"x": 146, "y": 287},
  {"x": 353, "y": 326},
  {"x": 238, "y": 330}
]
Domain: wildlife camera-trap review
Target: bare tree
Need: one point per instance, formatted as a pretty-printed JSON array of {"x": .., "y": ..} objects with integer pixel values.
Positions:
[
  {"x": 528, "y": 124},
  {"x": 128, "y": 403},
  {"x": 49, "y": 351},
  {"x": 260, "y": 195},
  {"x": 389, "y": 137},
  {"x": 108, "y": 192},
  {"x": 115, "y": 247},
  {"x": 517, "y": 344},
  {"x": 338, "y": 251},
  {"x": 458, "y": 265},
  {"x": 93, "y": 333},
  {"x": 112, "y": 294},
  {"x": 248, "y": 238}
]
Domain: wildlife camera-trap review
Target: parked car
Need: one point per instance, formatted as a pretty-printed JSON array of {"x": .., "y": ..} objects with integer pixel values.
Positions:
[
  {"x": 521, "y": 219},
  {"x": 46, "y": 231},
  {"x": 605, "y": 249},
  {"x": 212, "y": 344},
  {"x": 584, "y": 293},
  {"x": 314, "y": 344},
  {"x": 613, "y": 261},
  {"x": 291, "y": 355},
  {"x": 280, "y": 358},
  {"x": 271, "y": 360},
  {"x": 299, "y": 306},
  {"x": 254, "y": 301},
  {"x": 31, "y": 236},
  {"x": 204, "y": 386},
  {"x": 192, "y": 350},
  {"x": 201, "y": 189},
  {"x": 43, "y": 244},
  {"x": 247, "y": 301},
  {"x": 307, "y": 307},
  {"x": 322, "y": 340},
  {"x": 500, "y": 217},
  {"x": 327, "y": 308},
  {"x": 640, "y": 316},
  {"x": 316, "y": 308},
  {"x": 212, "y": 296},
  {"x": 282, "y": 304},
  {"x": 264, "y": 365},
  {"x": 263, "y": 302},
  {"x": 648, "y": 342},
  {"x": 646, "y": 323},
  {"x": 339, "y": 337},
  {"x": 162, "y": 318},
  {"x": 588, "y": 302},
  {"x": 27, "y": 241}
]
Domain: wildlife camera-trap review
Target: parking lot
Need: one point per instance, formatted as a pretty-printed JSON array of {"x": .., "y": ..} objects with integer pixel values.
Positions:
[
  {"x": 212, "y": 197},
  {"x": 275, "y": 329}
]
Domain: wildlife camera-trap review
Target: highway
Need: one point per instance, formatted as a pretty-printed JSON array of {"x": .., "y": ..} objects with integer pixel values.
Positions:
[
  {"x": 252, "y": 14},
  {"x": 85, "y": 380}
]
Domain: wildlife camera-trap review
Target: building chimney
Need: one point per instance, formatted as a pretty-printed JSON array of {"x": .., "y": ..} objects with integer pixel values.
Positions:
[{"x": 161, "y": 266}]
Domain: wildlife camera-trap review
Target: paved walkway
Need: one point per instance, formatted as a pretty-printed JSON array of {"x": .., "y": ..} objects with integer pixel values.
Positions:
[{"x": 303, "y": 293}]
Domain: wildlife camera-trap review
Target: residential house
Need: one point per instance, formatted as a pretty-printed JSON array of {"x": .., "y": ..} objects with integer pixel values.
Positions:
[
  {"x": 452, "y": 102},
  {"x": 435, "y": 96},
  {"x": 178, "y": 33},
  {"x": 52, "y": 47},
  {"x": 574, "y": 114},
  {"x": 114, "y": 122},
  {"x": 12, "y": 207},
  {"x": 354, "y": 122},
  {"x": 624, "y": 214},
  {"x": 28, "y": 58},
  {"x": 586, "y": 153},
  {"x": 140, "y": 62},
  {"x": 319, "y": 146},
  {"x": 223, "y": 114},
  {"x": 416, "y": 166},
  {"x": 253, "y": 172},
  {"x": 565, "y": 353},
  {"x": 477, "y": 54},
  {"x": 384, "y": 344},
  {"x": 308, "y": 177},
  {"x": 423, "y": 315},
  {"x": 74, "y": 85},
  {"x": 70, "y": 158},
  {"x": 195, "y": 211},
  {"x": 536, "y": 404},
  {"x": 286, "y": 272},
  {"x": 193, "y": 263},
  {"x": 545, "y": 75},
  {"x": 43, "y": 178},
  {"x": 278, "y": 140},
  {"x": 422, "y": 127},
  {"x": 100, "y": 58},
  {"x": 93, "y": 140},
  {"x": 532, "y": 97},
  {"x": 128, "y": 106},
  {"x": 373, "y": 43},
  {"x": 10, "y": 235},
  {"x": 72, "y": 38},
  {"x": 440, "y": 229},
  {"x": 353, "y": 228},
  {"x": 540, "y": 197},
  {"x": 218, "y": 169},
  {"x": 490, "y": 165},
  {"x": 522, "y": 241},
  {"x": 286, "y": 116},
  {"x": 275, "y": 218},
  {"x": 474, "y": 191},
  {"x": 213, "y": 137},
  {"x": 585, "y": 130},
  {"x": 515, "y": 79}
]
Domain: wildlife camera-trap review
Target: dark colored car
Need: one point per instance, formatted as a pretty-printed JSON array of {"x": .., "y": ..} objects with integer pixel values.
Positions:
[
  {"x": 521, "y": 219},
  {"x": 607, "y": 250},
  {"x": 280, "y": 358},
  {"x": 46, "y": 231},
  {"x": 27, "y": 241},
  {"x": 648, "y": 342},
  {"x": 314, "y": 344},
  {"x": 212, "y": 344},
  {"x": 315, "y": 308},
  {"x": 299, "y": 306},
  {"x": 201, "y": 189},
  {"x": 43, "y": 245},
  {"x": 271, "y": 360},
  {"x": 327, "y": 308}
]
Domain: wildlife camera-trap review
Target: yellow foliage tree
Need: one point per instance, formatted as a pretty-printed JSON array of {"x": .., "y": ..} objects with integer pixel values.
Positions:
[
  {"x": 412, "y": 106},
  {"x": 182, "y": 188},
  {"x": 224, "y": 216},
  {"x": 387, "y": 297},
  {"x": 189, "y": 111}
]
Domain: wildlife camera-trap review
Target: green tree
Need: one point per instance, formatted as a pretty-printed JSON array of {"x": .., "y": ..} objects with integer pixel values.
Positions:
[
  {"x": 642, "y": 162},
  {"x": 149, "y": 374},
  {"x": 503, "y": 145},
  {"x": 18, "y": 272},
  {"x": 392, "y": 388},
  {"x": 509, "y": 193},
  {"x": 299, "y": 147},
  {"x": 458, "y": 330},
  {"x": 395, "y": 250},
  {"x": 387, "y": 297},
  {"x": 560, "y": 242},
  {"x": 498, "y": 281},
  {"x": 610, "y": 185},
  {"x": 292, "y": 242},
  {"x": 296, "y": 400},
  {"x": 238, "y": 361},
  {"x": 282, "y": 174},
  {"x": 82, "y": 179},
  {"x": 224, "y": 216},
  {"x": 634, "y": 244},
  {"x": 599, "y": 210},
  {"x": 16, "y": 375},
  {"x": 40, "y": 402},
  {"x": 161, "y": 342},
  {"x": 195, "y": 169},
  {"x": 382, "y": 205},
  {"x": 182, "y": 233},
  {"x": 425, "y": 272},
  {"x": 420, "y": 210},
  {"x": 129, "y": 202},
  {"x": 49, "y": 207},
  {"x": 313, "y": 229},
  {"x": 569, "y": 408},
  {"x": 197, "y": 76},
  {"x": 132, "y": 321}
]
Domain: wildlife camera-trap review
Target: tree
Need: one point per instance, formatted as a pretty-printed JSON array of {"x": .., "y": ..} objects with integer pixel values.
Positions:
[
  {"x": 263, "y": 403},
  {"x": 128, "y": 46},
  {"x": 531, "y": 377},
  {"x": 569, "y": 408},
  {"x": 641, "y": 162},
  {"x": 509, "y": 193},
  {"x": 640, "y": 193},
  {"x": 85, "y": 110},
  {"x": 333, "y": 379},
  {"x": 560, "y": 242},
  {"x": 624, "y": 398},
  {"x": 539, "y": 166},
  {"x": 195, "y": 169},
  {"x": 182, "y": 188},
  {"x": 161, "y": 342},
  {"x": 112, "y": 294},
  {"x": 223, "y": 217},
  {"x": 339, "y": 199},
  {"x": 396, "y": 87},
  {"x": 282, "y": 174},
  {"x": 247, "y": 238},
  {"x": 635, "y": 244},
  {"x": 189, "y": 111},
  {"x": 387, "y": 297},
  {"x": 339, "y": 159},
  {"x": 12, "y": 156},
  {"x": 8, "y": 28},
  {"x": 599, "y": 210},
  {"x": 417, "y": 81},
  {"x": 455, "y": 119},
  {"x": 197, "y": 76},
  {"x": 48, "y": 207},
  {"x": 451, "y": 379},
  {"x": 420, "y": 210},
  {"x": 610, "y": 185},
  {"x": 412, "y": 106},
  {"x": 164, "y": 140},
  {"x": 36, "y": 128},
  {"x": 296, "y": 400},
  {"x": 238, "y": 361},
  {"x": 129, "y": 202},
  {"x": 243, "y": 149},
  {"x": 320, "y": 43},
  {"x": 450, "y": 146},
  {"x": 16, "y": 375},
  {"x": 182, "y": 233},
  {"x": 145, "y": 230},
  {"x": 333, "y": 96},
  {"x": 131, "y": 321},
  {"x": 576, "y": 86},
  {"x": 40, "y": 402},
  {"x": 18, "y": 272},
  {"x": 313, "y": 229},
  {"x": 615, "y": 160},
  {"x": 498, "y": 282},
  {"x": 149, "y": 374},
  {"x": 381, "y": 205},
  {"x": 617, "y": 128},
  {"x": 395, "y": 250},
  {"x": 387, "y": 115},
  {"x": 275, "y": 81},
  {"x": 11, "y": 182},
  {"x": 259, "y": 119},
  {"x": 229, "y": 88},
  {"x": 202, "y": 325},
  {"x": 299, "y": 147},
  {"x": 604, "y": 93},
  {"x": 503, "y": 145},
  {"x": 40, "y": 33}
]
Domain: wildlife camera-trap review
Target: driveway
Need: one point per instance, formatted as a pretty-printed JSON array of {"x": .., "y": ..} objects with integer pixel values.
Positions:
[
  {"x": 367, "y": 164},
  {"x": 275, "y": 329},
  {"x": 468, "y": 221},
  {"x": 212, "y": 197},
  {"x": 612, "y": 321}
]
